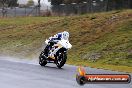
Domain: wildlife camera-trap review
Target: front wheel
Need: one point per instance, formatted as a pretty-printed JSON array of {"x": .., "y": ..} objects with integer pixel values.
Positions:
[
  {"x": 61, "y": 59},
  {"x": 42, "y": 60}
]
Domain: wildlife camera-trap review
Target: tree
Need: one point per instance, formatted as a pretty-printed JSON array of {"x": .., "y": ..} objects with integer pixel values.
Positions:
[
  {"x": 12, "y": 3},
  {"x": 30, "y": 3},
  {"x": 8, "y": 3},
  {"x": 57, "y": 2},
  {"x": 130, "y": 3},
  {"x": 67, "y": 1}
]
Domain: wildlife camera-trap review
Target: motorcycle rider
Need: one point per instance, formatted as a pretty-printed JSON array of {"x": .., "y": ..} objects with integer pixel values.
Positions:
[{"x": 53, "y": 40}]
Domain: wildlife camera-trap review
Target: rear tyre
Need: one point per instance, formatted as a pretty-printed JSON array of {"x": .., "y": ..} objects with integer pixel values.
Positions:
[
  {"x": 42, "y": 60},
  {"x": 61, "y": 59}
]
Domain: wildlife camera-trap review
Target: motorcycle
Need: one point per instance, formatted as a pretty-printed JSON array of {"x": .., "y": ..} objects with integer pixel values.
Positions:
[{"x": 56, "y": 54}]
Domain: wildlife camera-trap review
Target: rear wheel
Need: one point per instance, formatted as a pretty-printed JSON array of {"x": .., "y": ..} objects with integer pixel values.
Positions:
[
  {"x": 61, "y": 59},
  {"x": 42, "y": 59}
]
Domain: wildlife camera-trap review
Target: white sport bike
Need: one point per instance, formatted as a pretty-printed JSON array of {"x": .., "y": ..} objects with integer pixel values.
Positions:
[{"x": 57, "y": 53}]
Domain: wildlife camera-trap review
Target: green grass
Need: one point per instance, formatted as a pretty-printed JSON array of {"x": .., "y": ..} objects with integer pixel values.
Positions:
[{"x": 101, "y": 40}]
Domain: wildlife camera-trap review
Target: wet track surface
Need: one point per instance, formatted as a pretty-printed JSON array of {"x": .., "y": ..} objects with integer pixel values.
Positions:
[{"x": 17, "y": 74}]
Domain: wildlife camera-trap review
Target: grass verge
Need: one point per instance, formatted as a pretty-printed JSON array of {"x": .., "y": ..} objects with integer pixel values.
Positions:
[{"x": 101, "y": 40}]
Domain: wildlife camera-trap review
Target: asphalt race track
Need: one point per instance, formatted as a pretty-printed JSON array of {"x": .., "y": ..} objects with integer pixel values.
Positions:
[{"x": 19, "y": 74}]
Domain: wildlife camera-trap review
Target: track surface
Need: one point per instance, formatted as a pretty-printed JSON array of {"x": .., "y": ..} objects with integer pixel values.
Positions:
[{"x": 19, "y": 74}]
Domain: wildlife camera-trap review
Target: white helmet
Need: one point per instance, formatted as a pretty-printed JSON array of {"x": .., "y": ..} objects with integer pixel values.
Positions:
[{"x": 65, "y": 35}]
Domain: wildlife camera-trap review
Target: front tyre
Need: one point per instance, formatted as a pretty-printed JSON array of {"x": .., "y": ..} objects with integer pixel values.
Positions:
[
  {"x": 61, "y": 59},
  {"x": 42, "y": 60}
]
